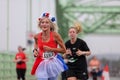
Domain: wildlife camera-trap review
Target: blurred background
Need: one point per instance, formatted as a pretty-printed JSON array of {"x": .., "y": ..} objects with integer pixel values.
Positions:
[{"x": 100, "y": 20}]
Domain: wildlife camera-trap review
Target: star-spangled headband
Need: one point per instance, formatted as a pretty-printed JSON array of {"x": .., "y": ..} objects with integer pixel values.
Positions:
[{"x": 47, "y": 15}]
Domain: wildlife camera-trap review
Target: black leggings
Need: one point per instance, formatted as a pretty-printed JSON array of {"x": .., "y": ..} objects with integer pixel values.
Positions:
[{"x": 21, "y": 73}]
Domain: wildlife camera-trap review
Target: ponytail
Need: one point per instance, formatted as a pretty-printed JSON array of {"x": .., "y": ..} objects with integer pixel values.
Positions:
[{"x": 78, "y": 27}]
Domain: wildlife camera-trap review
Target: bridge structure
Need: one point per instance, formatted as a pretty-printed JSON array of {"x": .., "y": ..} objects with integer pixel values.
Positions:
[{"x": 95, "y": 16}]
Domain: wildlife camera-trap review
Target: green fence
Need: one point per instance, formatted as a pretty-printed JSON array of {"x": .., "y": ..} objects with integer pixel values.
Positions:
[{"x": 7, "y": 67}]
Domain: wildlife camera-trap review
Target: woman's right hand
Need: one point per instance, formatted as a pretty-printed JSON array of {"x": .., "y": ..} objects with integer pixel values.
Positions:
[
  {"x": 68, "y": 51},
  {"x": 35, "y": 52}
]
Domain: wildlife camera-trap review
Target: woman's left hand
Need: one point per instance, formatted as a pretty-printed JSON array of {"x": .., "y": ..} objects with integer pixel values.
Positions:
[
  {"x": 79, "y": 52},
  {"x": 46, "y": 48}
]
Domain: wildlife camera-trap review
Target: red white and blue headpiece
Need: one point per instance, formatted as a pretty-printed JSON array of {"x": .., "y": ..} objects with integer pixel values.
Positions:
[{"x": 47, "y": 16}]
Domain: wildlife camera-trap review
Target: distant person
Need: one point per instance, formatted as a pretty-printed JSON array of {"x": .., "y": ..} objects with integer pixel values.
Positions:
[
  {"x": 75, "y": 56},
  {"x": 20, "y": 60},
  {"x": 95, "y": 68}
]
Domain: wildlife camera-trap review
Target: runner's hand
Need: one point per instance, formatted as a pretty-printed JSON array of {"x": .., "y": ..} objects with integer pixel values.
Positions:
[
  {"x": 79, "y": 52},
  {"x": 35, "y": 53},
  {"x": 68, "y": 51},
  {"x": 46, "y": 48}
]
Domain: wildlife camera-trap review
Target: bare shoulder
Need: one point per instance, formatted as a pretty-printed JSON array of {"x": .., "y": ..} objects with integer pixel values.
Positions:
[
  {"x": 56, "y": 35},
  {"x": 36, "y": 36}
]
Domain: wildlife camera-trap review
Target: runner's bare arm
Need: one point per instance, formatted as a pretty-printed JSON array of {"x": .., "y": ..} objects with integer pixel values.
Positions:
[{"x": 58, "y": 39}]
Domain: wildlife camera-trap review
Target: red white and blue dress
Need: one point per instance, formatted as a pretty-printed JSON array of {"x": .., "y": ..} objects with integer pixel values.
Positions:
[{"x": 47, "y": 64}]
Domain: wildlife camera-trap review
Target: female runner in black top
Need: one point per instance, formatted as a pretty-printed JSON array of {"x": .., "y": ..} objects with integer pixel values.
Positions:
[{"x": 75, "y": 56}]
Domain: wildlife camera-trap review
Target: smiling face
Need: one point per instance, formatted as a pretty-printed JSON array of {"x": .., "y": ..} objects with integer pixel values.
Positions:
[
  {"x": 72, "y": 33},
  {"x": 45, "y": 24}
]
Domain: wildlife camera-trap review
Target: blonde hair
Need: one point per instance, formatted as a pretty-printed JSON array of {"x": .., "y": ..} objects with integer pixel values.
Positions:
[
  {"x": 53, "y": 26},
  {"x": 77, "y": 26}
]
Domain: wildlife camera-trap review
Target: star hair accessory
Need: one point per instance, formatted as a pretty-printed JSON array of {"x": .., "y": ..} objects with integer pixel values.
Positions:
[{"x": 47, "y": 16}]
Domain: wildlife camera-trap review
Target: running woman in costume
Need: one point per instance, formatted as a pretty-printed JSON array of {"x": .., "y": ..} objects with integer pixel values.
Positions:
[
  {"x": 20, "y": 60},
  {"x": 75, "y": 55},
  {"x": 48, "y": 43}
]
